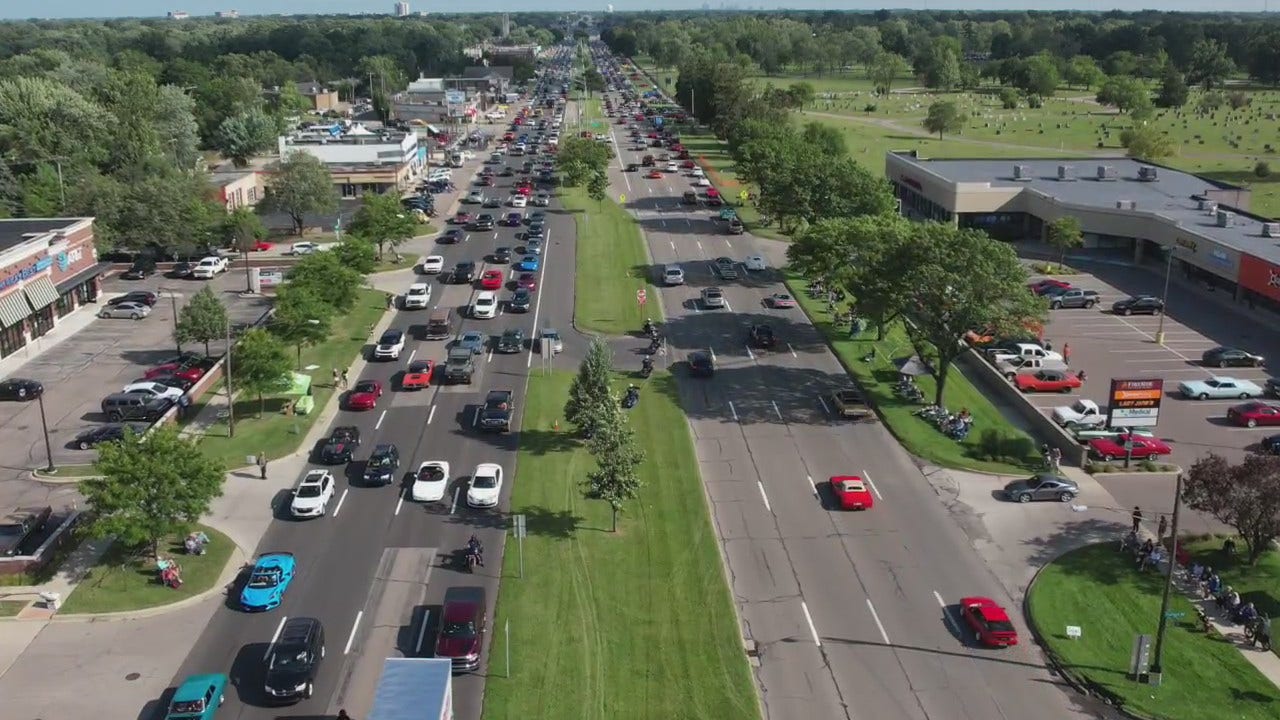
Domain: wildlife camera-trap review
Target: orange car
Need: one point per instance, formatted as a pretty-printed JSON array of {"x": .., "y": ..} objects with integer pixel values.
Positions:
[{"x": 418, "y": 375}]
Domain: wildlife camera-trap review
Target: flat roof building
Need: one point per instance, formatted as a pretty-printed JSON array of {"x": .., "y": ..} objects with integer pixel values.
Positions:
[
  {"x": 1155, "y": 212},
  {"x": 360, "y": 160}
]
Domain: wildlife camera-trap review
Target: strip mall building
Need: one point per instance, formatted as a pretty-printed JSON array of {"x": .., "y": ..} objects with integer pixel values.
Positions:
[
  {"x": 48, "y": 268},
  {"x": 1202, "y": 227}
]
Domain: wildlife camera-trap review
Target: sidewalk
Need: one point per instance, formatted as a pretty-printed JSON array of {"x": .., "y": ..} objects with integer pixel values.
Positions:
[{"x": 72, "y": 571}]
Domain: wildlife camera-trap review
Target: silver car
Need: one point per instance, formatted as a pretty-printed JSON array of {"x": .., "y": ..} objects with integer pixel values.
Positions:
[
  {"x": 553, "y": 340},
  {"x": 127, "y": 310},
  {"x": 713, "y": 297},
  {"x": 672, "y": 275}
]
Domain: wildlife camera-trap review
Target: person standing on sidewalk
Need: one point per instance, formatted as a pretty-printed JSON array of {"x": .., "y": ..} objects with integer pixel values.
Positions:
[
  {"x": 262, "y": 464},
  {"x": 1066, "y": 353},
  {"x": 1162, "y": 528},
  {"x": 1136, "y": 516},
  {"x": 336, "y": 377},
  {"x": 344, "y": 378}
]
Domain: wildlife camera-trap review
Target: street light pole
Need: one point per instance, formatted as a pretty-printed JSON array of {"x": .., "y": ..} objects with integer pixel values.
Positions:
[
  {"x": 231, "y": 396},
  {"x": 1156, "y": 668},
  {"x": 44, "y": 425},
  {"x": 1164, "y": 298},
  {"x": 173, "y": 300}
]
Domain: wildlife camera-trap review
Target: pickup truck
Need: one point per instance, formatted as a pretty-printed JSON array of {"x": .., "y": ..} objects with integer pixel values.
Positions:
[
  {"x": 1073, "y": 298},
  {"x": 1013, "y": 367},
  {"x": 850, "y": 404},
  {"x": 1020, "y": 350},
  {"x": 1080, "y": 414},
  {"x": 459, "y": 365},
  {"x": 499, "y": 405},
  {"x": 209, "y": 267}
]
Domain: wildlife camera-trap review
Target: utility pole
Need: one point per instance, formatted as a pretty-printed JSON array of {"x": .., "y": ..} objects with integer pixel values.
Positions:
[
  {"x": 231, "y": 396},
  {"x": 1156, "y": 668}
]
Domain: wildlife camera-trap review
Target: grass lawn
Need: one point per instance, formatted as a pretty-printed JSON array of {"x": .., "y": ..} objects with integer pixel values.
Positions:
[
  {"x": 123, "y": 581},
  {"x": 274, "y": 432},
  {"x": 1259, "y": 584},
  {"x": 604, "y": 626},
  {"x": 70, "y": 471},
  {"x": 612, "y": 265},
  {"x": 918, "y": 436},
  {"x": 1097, "y": 589},
  {"x": 10, "y": 608}
]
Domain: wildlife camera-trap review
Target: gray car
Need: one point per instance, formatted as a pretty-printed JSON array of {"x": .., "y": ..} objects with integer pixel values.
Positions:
[
  {"x": 1042, "y": 486},
  {"x": 126, "y": 310},
  {"x": 473, "y": 340}
]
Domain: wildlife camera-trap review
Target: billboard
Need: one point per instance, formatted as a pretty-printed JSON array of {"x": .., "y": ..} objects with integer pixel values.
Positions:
[
  {"x": 1134, "y": 403},
  {"x": 1259, "y": 276},
  {"x": 455, "y": 97}
]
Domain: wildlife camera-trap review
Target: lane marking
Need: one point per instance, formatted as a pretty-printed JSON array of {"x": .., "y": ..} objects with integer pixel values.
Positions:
[
  {"x": 825, "y": 408},
  {"x": 776, "y": 411},
  {"x": 422, "y": 632},
  {"x": 431, "y": 415},
  {"x": 475, "y": 417},
  {"x": 726, "y": 242},
  {"x": 662, "y": 222},
  {"x": 733, "y": 411},
  {"x": 713, "y": 358},
  {"x": 537, "y": 304},
  {"x": 874, "y": 489},
  {"x": 342, "y": 499},
  {"x": 352, "y": 638},
  {"x": 727, "y": 305},
  {"x": 410, "y": 360},
  {"x": 673, "y": 244},
  {"x": 490, "y": 357},
  {"x": 947, "y": 614},
  {"x": 879, "y": 625},
  {"x": 699, "y": 245},
  {"x": 793, "y": 350},
  {"x": 457, "y": 493},
  {"x": 380, "y": 419},
  {"x": 763, "y": 496},
  {"x": 399, "y": 503},
  {"x": 813, "y": 629},
  {"x": 749, "y": 353},
  {"x": 274, "y": 638},
  {"x": 812, "y": 485}
]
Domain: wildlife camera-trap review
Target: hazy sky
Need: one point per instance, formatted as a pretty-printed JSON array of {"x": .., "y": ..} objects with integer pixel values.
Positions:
[{"x": 10, "y": 9}]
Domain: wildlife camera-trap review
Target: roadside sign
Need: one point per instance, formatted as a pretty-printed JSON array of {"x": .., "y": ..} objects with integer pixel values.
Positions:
[
  {"x": 1135, "y": 403},
  {"x": 642, "y": 297}
]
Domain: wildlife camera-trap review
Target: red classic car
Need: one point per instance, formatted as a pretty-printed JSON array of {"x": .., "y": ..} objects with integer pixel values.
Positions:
[
  {"x": 491, "y": 280},
  {"x": 654, "y": 175},
  {"x": 851, "y": 493},
  {"x": 1047, "y": 381},
  {"x": 462, "y": 218},
  {"x": 1143, "y": 447},
  {"x": 688, "y": 164},
  {"x": 418, "y": 375},
  {"x": 1047, "y": 285},
  {"x": 190, "y": 371},
  {"x": 989, "y": 622},
  {"x": 1253, "y": 414},
  {"x": 364, "y": 396}
]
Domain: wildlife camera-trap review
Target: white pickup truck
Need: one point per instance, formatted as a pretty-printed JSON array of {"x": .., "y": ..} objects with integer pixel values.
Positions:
[
  {"x": 1021, "y": 350},
  {"x": 209, "y": 267},
  {"x": 1021, "y": 365},
  {"x": 1080, "y": 414}
]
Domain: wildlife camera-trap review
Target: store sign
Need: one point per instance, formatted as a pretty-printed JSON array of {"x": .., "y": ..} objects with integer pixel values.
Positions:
[
  {"x": 1260, "y": 277},
  {"x": 455, "y": 97},
  {"x": 26, "y": 273},
  {"x": 1220, "y": 257},
  {"x": 69, "y": 258},
  {"x": 1134, "y": 403},
  {"x": 1185, "y": 243}
]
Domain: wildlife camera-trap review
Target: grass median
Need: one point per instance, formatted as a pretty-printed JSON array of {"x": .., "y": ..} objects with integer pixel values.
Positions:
[
  {"x": 604, "y": 626},
  {"x": 1015, "y": 453},
  {"x": 1098, "y": 589},
  {"x": 273, "y": 431},
  {"x": 612, "y": 266},
  {"x": 123, "y": 580}
]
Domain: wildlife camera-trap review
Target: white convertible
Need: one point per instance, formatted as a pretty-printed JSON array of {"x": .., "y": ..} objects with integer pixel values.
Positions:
[{"x": 1219, "y": 388}]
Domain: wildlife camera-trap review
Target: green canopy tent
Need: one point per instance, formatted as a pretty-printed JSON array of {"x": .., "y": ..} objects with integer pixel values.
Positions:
[{"x": 300, "y": 385}]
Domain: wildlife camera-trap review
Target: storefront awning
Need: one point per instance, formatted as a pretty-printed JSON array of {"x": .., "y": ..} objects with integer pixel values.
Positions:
[
  {"x": 13, "y": 309},
  {"x": 88, "y": 273},
  {"x": 40, "y": 292}
]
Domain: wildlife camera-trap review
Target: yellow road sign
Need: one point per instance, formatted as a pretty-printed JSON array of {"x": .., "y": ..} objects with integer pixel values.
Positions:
[{"x": 622, "y": 199}]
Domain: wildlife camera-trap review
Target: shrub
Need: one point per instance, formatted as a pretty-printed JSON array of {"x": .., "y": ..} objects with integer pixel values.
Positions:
[
  {"x": 1148, "y": 466},
  {"x": 1262, "y": 169},
  {"x": 1035, "y": 102},
  {"x": 1016, "y": 448},
  {"x": 989, "y": 442},
  {"x": 1238, "y": 99},
  {"x": 869, "y": 108},
  {"x": 1009, "y": 98}
]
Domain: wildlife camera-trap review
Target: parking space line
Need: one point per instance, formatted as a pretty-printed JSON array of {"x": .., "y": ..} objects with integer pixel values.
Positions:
[
  {"x": 749, "y": 353},
  {"x": 947, "y": 614},
  {"x": 812, "y": 485},
  {"x": 776, "y": 411},
  {"x": 381, "y": 417},
  {"x": 431, "y": 415},
  {"x": 274, "y": 638},
  {"x": 733, "y": 411},
  {"x": 408, "y": 362},
  {"x": 813, "y": 629},
  {"x": 874, "y": 489},
  {"x": 400, "y": 502},
  {"x": 764, "y": 497},
  {"x": 825, "y": 408},
  {"x": 457, "y": 493}
]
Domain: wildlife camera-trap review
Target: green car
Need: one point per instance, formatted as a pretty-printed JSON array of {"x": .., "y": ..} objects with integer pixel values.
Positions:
[
  {"x": 198, "y": 697},
  {"x": 728, "y": 214}
]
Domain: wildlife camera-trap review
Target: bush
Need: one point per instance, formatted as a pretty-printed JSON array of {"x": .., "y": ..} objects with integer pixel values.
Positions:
[
  {"x": 996, "y": 446},
  {"x": 1009, "y": 98},
  {"x": 1238, "y": 99},
  {"x": 1035, "y": 102},
  {"x": 869, "y": 108},
  {"x": 1262, "y": 169}
]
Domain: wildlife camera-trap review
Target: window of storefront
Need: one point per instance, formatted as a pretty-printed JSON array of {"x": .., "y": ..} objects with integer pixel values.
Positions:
[
  {"x": 66, "y": 303},
  {"x": 12, "y": 340},
  {"x": 1001, "y": 226},
  {"x": 41, "y": 322},
  {"x": 919, "y": 207},
  {"x": 350, "y": 190}
]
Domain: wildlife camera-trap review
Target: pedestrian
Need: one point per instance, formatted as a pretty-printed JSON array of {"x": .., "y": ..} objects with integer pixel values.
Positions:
[
  {"x": 336, "y": 377},
  {"x": 262, "y": 464},
  {"x": 391, "y": 301},
  {"x": 1081, "y": 375},
  {"x": 1066, "y": 353},
  {"x": 344, "y": 378},
  {"x": 1055, "y": 456},
  {"x": 342, "y": 715},
  {"x": 1137, "y": 518},
  {"x": 1162, "y": 527}
]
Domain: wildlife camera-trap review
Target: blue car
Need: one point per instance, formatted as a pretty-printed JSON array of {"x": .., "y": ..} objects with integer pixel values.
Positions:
[
  {"x": 270, "y": 577},
  {"x": 528, "y": 263},
  {"x": 198, "y": 698}
]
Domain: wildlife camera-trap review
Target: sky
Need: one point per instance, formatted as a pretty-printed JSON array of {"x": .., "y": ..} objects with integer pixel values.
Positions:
[{"x": 16, "y": 9}]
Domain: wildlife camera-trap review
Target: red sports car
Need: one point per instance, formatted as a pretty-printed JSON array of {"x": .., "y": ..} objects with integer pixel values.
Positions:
[
  {"x": 688, "y": 164},
  {"x": 1047, "y": 285},
  {"x": 655, "y": 175},
  {"x": 1253, "y": 414},
  {"x": 418, "y": 375},
  {"x": 462, "y": 218},
  {"x": 525, "y": 190},
  {"x": 364, "y": 396},
  {"x": 262, "y": 245},
  {"x": 187, "y": 371},
  {"x": 989, "y": 622},
  {"x": 851, "y": 493},
  {"x": 1047, "y": 381},
  {"x": 528, "y": 281},
  {"x": 491, "y": 280},
  {"x": 1143, "y": 447}
]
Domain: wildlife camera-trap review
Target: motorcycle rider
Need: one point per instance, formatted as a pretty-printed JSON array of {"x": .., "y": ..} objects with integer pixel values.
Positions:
[
  {"x": 646, "y": 365},
  {"x": 476, "y": 550}
]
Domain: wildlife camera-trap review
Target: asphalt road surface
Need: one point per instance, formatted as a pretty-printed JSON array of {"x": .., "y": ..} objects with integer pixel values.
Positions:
[
  {"x": 351, "y": 561},
  {"x": 854, "y": 614}
]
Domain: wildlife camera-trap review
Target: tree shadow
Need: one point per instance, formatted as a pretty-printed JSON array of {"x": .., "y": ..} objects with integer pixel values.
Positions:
[{"x": 547, "y": 442}]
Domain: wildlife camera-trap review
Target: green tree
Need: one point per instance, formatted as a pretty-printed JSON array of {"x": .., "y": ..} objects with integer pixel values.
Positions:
[
  {"x": 615, "y": 478},
  {"x": 202, "y": 319},
  {"x": 579, "y": 158},
  {"x": 598, "y": 187},
  {"x": 243, "y": 135},
  {"x": 385, "y": 78},
  {"x": 42, "y": 120},
  {"x": 1173, "y": 89},
  {"x": 329, "y": 279},
  {"x": 939, "y": 64},
  {"x": 301, "y": 317},
  {"x": 151, "y": 487},
  {"x": 174, "y": 117},
  {"x": 1064, "y": 234},
  {"x": 243, "y": 229},
  {"x": 357, "y": 254},
  {"x": 382, "y": 221},
  {"x": 1146, "y": 143},
  {"x": 1210, "y": 65},
  {"x": 1245, "y": 497},
  {"x": 884, "y": 69},
  {"x": 593, "y": 81},
  {"x": 1042, "y": 76},
  {"x": 944, "y": 116},
  {"x": 1083, "y": 71},
  {"x": 1126, "y": 94},
  {"x": 1008, "y": 98},
  {"x": 300, "y": 185},
  {"x": 42, "y": 192},
  {"x": 828, "y": 139},
  {"x": 590, "y": 394},
  {"x": 261, "y": 365},
  {"x": 802, "y": 93}
]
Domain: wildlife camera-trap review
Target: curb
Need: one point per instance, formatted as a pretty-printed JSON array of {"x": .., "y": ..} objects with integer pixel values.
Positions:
[{"x": 39, "y": 477}]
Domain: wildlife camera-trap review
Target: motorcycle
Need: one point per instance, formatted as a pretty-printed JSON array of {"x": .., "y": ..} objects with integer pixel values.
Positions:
[
  {"x": 650, "y": 328},
  {"x": 631, "y": 398},
  {"x": 654, "y": 344},
  {"x": 646, "y": 367}
]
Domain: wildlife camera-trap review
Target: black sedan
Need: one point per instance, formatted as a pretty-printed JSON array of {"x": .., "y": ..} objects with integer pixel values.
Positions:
[
  {"x": 452, "y": 236},
  {"x": 95, "y": 436},
  {"x": 146, "y": 297},
  {"x": 1230, "y": 357},
  {"x": 464, "y": 272},
  {"x": 1138, "y": 305},
  {"x": 484, "y": 222},
  {"x": 341, "y": 445},
  {"x": 181, "y": 270},
  {"x": 761, "y": 336},
  {"x": 20, "y": 389}
]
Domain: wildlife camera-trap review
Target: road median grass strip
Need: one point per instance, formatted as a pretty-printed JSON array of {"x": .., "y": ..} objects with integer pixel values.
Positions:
[
  {"x": 123, "y": 580},
  {"x": 612, "y": 265},
  {"x": 627, "y": 626},
  {"x": 877, "y": 376},
  {"x": 1098, "y": 589}
]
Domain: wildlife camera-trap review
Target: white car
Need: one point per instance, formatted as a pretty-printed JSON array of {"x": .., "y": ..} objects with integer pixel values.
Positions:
[
  {"x": 432, "y": 265},
  {"x": 486, "y": 486},
  {"x": 153, "y": 389},
  {"x": 430, "y": 482},
  {"x": 209, "y": 267},
  {"x": 304, "y": 248},
  {"x": 1083, "y": 413},
  {"x": 702, "y": 182},
  {"x": 696, "y": 171},
  {"x": 519, "y": 201},
  {"x": 672, "y": 275},
  {"x": 713, "y": 297},
  {"x": 673, "y": 167},
  {"x": 541, "y": 200},
  {"x": 755, "y": 262},
  {"x": 485, "y": 306},
  {"x": 417, "y": 297},
  {"x": 311, "y": 497},
  {"x": 554, "y": 341},
  {"x": 389, "y": 346}
]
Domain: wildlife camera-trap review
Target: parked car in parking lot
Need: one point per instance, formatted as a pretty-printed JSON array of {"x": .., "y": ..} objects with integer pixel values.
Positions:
[
  {"x": 1219, "y": 388},
  {"x": 1137, "y": 447},
  {"x": 20, "y": 389},
  {"x": 1072, "y": 298},
  {"x": 1230, "y": 357},
  {"x": 1254, "y": 414},
  {"x": 142, "y": 297},
  {"x": 125, "y": 310},
  {"x": 1138, "y": 305}
]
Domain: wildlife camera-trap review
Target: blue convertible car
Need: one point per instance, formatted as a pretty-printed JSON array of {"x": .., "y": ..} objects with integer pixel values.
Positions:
[
  {"x": 528, "y": 263},
  {"x": 267, "y": 582}
]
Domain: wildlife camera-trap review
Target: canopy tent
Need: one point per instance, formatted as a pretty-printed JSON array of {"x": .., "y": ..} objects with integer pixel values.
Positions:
[
  {"x": 913, "y": 366},
  {"x": 299, "y": 384}
]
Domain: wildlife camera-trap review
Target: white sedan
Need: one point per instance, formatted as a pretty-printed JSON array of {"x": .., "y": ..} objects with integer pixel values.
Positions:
[
  {"x": 432, "y": 265},
  {"x": 486, "y": 486},
  {"x": 1220, "y": 388},
  {"x": 153, "y": 389},
  {"x": 519, "y": 201},
  {"x": 755, "y": 262},
  {"x": 702, "y": 182},
  {"x": 431, "y": 481}
]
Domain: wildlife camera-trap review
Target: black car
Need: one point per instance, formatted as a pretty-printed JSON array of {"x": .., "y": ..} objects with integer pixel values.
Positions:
[
  {"x": 535, "y": 217},
  {"x": 455, "y": 235},
  {"x": 464, "y": 272},
  {"x": 141, "y": 269},
  {"x": 1230, "y": 357},
  {"x": 294, "y": 660},
  {"x": 701, "y": 363},
  {"x": 520, "y": 301},
  {"x": 181, "y": 270},
  {"x": 105, "y": 433},
  {"x": 512, "y": 341},
  {"x": 484, "y": 222},
  {"x": 761, "y": 336},
  {"x": 1138, "y": 305},
  {"x": 382, "y": 465},
  {"x": 20, "y": 389},
  {"x": 501, "y": 255},
  {"x": 1273, "y": 387},
  {"x": 1271, "y": 445},
  {"x": 146, "y": 297},
  {"x": 492, "y": 201},
  {"x": 507, "y": 172},
  {"x": 536, "y": 230},
  {"x": 341, "y": 445},
  {"x": 632, "y": 167}
]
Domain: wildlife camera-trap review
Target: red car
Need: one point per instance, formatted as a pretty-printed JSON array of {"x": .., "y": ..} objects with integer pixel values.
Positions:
[
  {"x": 989, "y": 622},
  {"x": 528, "y": 281},
  {"x": 851, "y": 493},
  {"x": 462, "y": 218},
  {"x": 491, "y": 280},
  {"x": 191, "y": 372},
  {"x": 655, "y": 175},
  {"x": 1253, "y": 414},
  {"x": 485, "y": 181},
  {"x": 688, "y": 164},
  {"x": 508, "y": 137},
  {"x": 1048, "y": 285},
  {"x": 1047, "y": 381},
  {"x": 525, "y": 190},
  {"x": 1144, "y": 448},
  {"x": 780, "y": 301},
  {"x": 418, "y": 375},
  {"x": 364, "y": 396},
  {"x": 261, "y": 246}
]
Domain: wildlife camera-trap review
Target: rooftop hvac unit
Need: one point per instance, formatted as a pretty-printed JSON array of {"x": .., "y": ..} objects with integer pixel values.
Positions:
[
  {"x": 1022, "y": 172},
  {"x": 1147, "y": 173},
  {"x": 1125, "y": 205},
  {"x": 1226, "y": 219},
  {"x": 1066, "y": 173},
  {"x": 1106, "y": 173},
  {"x": 1271, "y": 230},
  {"x": 1209, "y": 206}
]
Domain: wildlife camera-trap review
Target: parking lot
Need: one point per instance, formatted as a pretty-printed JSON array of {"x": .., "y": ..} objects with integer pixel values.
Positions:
[{"x": 99, "y": 356}]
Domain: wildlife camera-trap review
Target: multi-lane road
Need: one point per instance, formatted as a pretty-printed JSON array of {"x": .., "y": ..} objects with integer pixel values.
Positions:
[{"x": 355, "y": 564}]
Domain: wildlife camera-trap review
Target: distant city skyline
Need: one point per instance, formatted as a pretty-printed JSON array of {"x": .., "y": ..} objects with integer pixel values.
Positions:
[{"x": 206, "y": 8}]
